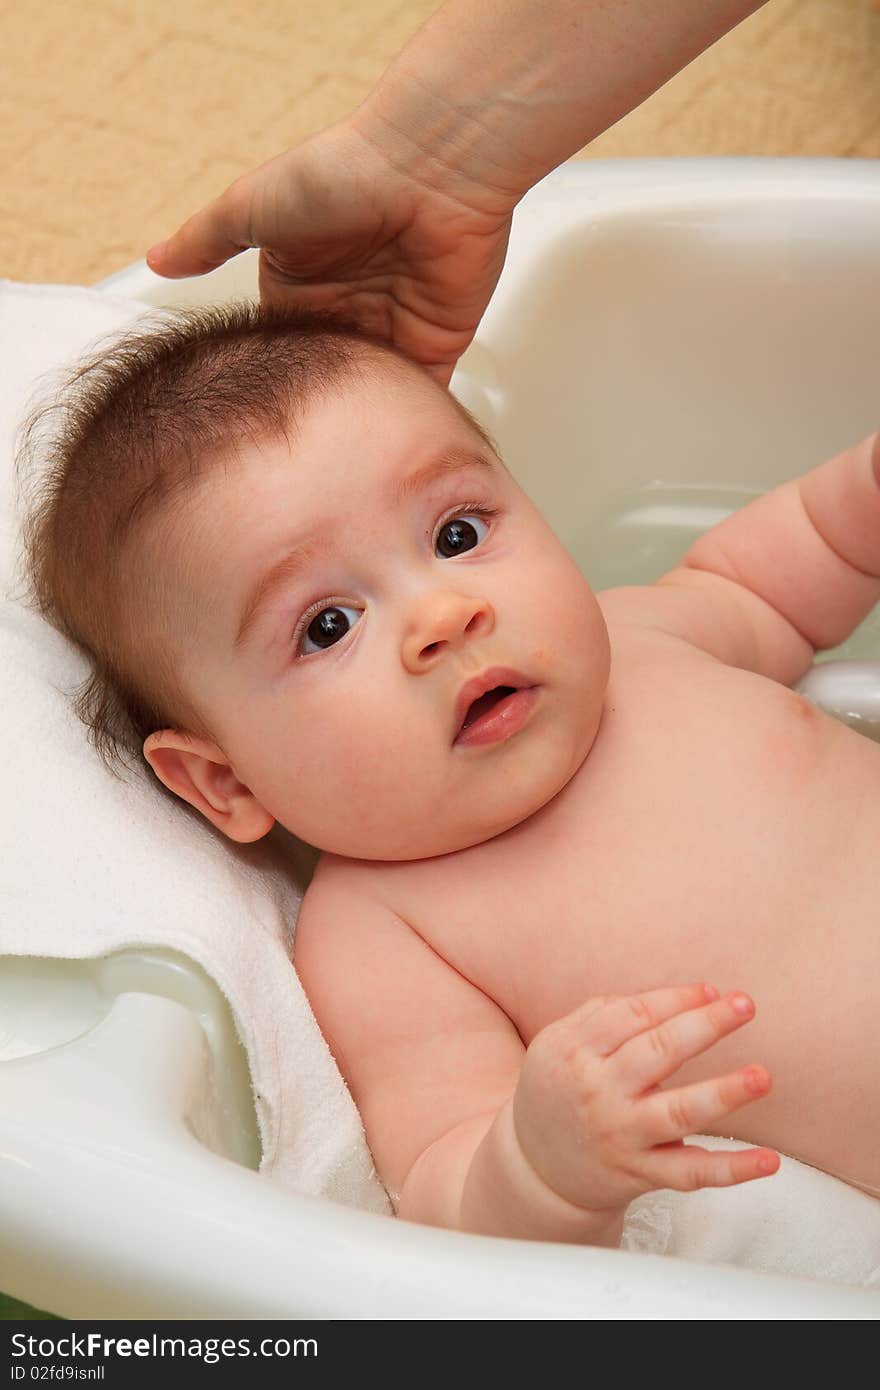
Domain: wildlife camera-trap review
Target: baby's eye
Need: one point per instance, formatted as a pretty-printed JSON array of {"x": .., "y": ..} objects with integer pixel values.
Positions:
[
  {"x": 328, "y": 627},
  {"x": 458, "y": 535}
]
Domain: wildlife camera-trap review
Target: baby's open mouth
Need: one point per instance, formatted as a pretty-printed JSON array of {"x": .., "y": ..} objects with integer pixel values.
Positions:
[
  {"x": 485, "y": 703},
  {"x": 493, "y": 706}
]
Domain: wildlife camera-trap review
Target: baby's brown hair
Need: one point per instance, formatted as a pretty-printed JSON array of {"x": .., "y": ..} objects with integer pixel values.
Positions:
[{"x": 131, "y": 431}]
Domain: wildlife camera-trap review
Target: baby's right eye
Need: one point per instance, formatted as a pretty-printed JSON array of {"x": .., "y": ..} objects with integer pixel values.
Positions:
[{"x": 328, "y": 627}]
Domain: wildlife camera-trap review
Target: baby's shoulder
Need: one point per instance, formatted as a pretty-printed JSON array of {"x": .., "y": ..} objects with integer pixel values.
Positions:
[
  {"x": 362, "y": 909},
  {"x": 354, "y": 898},
  {"x": 372, "y": 977},
  {"x": 652, "y": 612},
  {"x": 338, "y": 880}
]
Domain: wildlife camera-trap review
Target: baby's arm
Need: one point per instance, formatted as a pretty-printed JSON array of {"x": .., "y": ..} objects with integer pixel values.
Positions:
[
  {"x": 469, "y": 1129},
  {"x": 793, "y": 572}
]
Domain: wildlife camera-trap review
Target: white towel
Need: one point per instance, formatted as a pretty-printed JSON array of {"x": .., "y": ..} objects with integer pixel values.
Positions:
[
  {"x": 800, "y": 1222},
  {"x": 91, "y": 865}
]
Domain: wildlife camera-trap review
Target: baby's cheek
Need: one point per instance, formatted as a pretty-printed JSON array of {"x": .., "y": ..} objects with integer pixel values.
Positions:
[
  {"x": 368, "y": 796},
  {"x": 364, "y": 751},
  {"x": 565, "y": 614}
]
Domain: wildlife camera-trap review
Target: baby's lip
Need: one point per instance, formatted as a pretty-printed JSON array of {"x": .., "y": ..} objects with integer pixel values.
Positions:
[{"x": 479, "y": 685}]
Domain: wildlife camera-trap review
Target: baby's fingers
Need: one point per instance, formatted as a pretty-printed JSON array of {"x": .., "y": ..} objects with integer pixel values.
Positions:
[
  {"x": 653, "y": 1056},
  {"x": 603, "y": 1025},
  {"x": 688, "y": 1167},
  {"x": 668, "y": 1115}
]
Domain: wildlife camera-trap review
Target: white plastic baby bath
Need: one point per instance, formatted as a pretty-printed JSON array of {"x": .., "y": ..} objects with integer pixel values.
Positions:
[{"x": 669, "y": 337}]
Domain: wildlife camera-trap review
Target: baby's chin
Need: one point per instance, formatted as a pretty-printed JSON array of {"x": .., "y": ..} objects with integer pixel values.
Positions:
[
  {"x": 411, "y": 847},
  {"x": 432, "y": 837}
]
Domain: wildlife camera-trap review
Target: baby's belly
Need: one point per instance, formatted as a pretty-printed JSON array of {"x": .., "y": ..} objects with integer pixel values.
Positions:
[{"x": 750, "y": 862}]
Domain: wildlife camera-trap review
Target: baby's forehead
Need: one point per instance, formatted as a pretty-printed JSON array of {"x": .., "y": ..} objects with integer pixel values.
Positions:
[
  {"x": 370, "y": 429},
  {"x": 389, "y": 415}
]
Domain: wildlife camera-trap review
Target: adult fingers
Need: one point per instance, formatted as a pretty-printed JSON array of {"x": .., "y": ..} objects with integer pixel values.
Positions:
[{"x": 208, "y": 238}]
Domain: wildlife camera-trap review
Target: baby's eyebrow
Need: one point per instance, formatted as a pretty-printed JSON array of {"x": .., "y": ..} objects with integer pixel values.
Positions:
[
  {"x": 278, "y": 577},
  {"x": 454, "y": 460}
]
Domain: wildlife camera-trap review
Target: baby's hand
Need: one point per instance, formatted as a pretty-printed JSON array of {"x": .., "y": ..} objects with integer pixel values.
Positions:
[{"x": 589, "y": 1114}]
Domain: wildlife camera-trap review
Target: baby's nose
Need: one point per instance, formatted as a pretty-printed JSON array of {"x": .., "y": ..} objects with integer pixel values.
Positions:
[{"x": 445, "y": 620}]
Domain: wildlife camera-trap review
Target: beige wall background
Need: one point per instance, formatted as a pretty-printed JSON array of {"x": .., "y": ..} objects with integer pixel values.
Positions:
[{"x": 120, "y": 117}]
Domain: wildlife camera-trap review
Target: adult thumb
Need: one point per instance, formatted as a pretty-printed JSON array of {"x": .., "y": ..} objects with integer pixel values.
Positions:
[{"x": 209, "y": 238}]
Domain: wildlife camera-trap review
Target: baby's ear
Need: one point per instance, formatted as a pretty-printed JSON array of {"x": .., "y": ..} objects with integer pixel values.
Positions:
[{"x": 199, "y": 772}]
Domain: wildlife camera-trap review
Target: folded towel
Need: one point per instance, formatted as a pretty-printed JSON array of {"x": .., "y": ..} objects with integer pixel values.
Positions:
[
  {"x": 92, "y": 865},
  {"x": 801, "y": 1222}
]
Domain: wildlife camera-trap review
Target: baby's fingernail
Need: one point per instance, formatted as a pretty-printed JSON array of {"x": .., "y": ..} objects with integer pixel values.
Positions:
[
  {"x": 741, "y": 1004},
  {"x": 757, "y": 1080},
  {"x": 710, "y": 992},
  {"x": 155, "y": 252}
]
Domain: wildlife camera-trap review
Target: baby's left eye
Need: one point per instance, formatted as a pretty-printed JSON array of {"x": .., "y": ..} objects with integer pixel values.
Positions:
[
  {"x": 328, "y": 627},
  {"x": 458, "y": 535}
]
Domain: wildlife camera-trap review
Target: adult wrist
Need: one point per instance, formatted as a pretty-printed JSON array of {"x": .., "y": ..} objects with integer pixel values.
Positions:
[
  {"x": 449, "y": 144},
  {"x": 486, "y": 99}
]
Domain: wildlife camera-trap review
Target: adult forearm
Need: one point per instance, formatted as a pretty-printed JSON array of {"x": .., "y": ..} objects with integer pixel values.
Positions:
[
  {"x": 476, "y": 1178},
  {"x": 494, "y": 95}
]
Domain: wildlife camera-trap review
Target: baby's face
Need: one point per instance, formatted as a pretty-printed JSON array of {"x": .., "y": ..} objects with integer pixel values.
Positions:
[{"x": 355, "y": 594}]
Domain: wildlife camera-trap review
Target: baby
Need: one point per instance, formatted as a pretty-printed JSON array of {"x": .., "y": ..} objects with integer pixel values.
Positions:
[{"x": 313, "y": 593}]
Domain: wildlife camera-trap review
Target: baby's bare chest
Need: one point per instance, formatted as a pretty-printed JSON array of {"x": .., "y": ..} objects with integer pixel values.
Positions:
[{"x": 713, "y": 832}]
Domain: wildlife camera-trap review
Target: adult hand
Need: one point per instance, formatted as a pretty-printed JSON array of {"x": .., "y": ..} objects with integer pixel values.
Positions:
[
  {"x": 399, "y": 215},
  {"x": 343, "y": 225}
]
